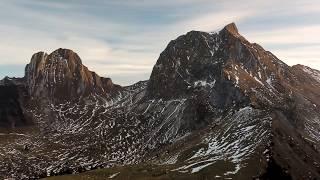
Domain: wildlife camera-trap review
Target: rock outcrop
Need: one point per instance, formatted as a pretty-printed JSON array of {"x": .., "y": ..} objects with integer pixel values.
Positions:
[
  {"x": 62, "y": 76},
  {"x": 13, "y": 99}
]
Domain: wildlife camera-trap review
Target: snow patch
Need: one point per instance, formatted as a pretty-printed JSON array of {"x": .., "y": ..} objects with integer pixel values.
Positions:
[
  {"x": 204, "y": 83},
  {"x": 314, "y": 73},
  {"x": 114, "y": 175}
]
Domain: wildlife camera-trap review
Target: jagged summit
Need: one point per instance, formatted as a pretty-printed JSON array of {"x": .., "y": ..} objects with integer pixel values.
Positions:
[
  {"x": 58, "y": 54},
  {"x": 67, "y": 54},
  {"x": 199, "y": 59},
  {"x": 62, "y": 75},
  {"x": 232, "y": 28},
  {"x": 208, "y": 59}
]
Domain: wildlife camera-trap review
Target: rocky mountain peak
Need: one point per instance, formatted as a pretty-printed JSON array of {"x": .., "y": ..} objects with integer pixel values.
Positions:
[
  {"x": 66, "y": 54},
  {"x": 203, "y": 61},
  {"x": 232, "y": 28},
  {"x": 199, "y": 58},
  {"x": 186, "y": 60},
  {"x": 62, "y": 75}
]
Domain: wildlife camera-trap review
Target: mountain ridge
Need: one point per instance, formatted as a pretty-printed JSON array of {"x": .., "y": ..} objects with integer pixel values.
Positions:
[{"x": 215, "y": 105}]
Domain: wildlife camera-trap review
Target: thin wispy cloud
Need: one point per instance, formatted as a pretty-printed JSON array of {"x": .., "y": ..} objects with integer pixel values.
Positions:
[{"x": 123, "y": 39}]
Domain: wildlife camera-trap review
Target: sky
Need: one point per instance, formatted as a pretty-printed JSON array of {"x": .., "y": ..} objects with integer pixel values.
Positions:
[{"x": 122, "y": 39}]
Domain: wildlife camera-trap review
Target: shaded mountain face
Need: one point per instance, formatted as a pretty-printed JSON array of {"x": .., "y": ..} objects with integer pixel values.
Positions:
[
  {"x": 226, "y": 72},
  {"x": 13, "y": 97},
  {"x": 193, "y": 64},
  {"x": 215, "y": 106},
  {"x": 210, "y": 61}
]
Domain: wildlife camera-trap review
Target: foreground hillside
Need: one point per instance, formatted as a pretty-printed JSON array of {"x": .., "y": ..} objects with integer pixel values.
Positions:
[
  {"x": 215, "y": 106},
  {"x": 138, "y": 172}
]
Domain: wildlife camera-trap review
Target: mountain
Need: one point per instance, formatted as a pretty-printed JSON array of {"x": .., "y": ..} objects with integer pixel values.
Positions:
[
  {"x": 215, "y": 106},
  {"x": 62, "y": 75}
]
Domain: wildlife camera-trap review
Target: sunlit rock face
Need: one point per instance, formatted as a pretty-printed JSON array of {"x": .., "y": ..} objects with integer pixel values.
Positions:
[{"x": 61, "y": 75}]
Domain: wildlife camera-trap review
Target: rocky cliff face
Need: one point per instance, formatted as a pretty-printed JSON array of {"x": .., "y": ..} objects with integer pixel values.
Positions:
[
  {"x": 54, "y": 78},
  {"x": 211, "y": 61},
  {"x": 216, "y": 105},
  {"x": 13, "y": 98},
  {"x": 195, "y": 64},
  {"x": 61, "y": 75},
  {"x": 223, "y": 72}
]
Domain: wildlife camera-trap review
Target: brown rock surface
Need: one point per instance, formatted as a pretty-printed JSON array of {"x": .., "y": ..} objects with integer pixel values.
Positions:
[{"x": 62, "y": 75}]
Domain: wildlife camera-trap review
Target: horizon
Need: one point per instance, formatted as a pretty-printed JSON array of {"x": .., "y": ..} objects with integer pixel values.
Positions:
[{"x": 123, "y": 40}]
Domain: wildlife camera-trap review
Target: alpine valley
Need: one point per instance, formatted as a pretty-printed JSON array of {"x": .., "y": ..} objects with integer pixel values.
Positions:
[{"x": 215, "y": 107}]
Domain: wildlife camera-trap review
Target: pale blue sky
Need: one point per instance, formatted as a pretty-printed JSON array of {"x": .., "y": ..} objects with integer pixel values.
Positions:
[{"x": 122, "y": 39}]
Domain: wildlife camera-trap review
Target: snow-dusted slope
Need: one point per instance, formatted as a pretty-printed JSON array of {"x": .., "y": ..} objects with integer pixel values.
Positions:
[{"x": 312, "y": 72}]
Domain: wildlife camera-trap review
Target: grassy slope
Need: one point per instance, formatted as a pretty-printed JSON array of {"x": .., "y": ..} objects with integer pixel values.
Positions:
[{"x": 141, "y": 172}]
